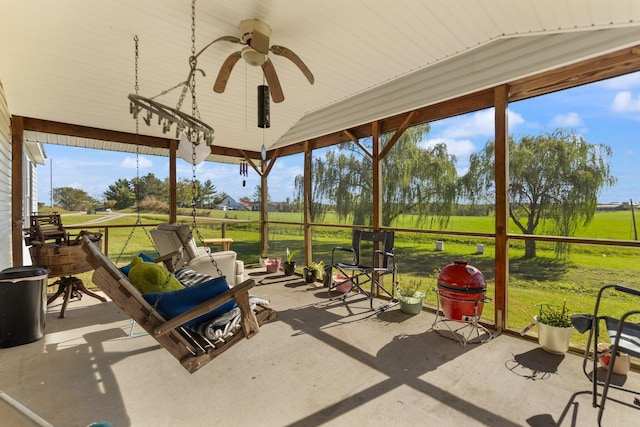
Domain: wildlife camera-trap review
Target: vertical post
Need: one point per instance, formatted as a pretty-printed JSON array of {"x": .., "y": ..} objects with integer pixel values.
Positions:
[
  {"x": 376, "y": 176},
  {"x": 106, "y": 241},
  {"x": 308, "y": 233},
  {"x": 264, "y": 202},
  {"x": 173, "y": 188},
  {"x": 17, "y": 143},
  {"x": 633, "y": 220},
  {"x": 501, "y": 102}
]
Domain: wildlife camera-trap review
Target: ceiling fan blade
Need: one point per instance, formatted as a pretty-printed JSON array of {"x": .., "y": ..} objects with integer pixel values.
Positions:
[
  {"x": 259, "y": 42},
  {"x": 225, "y": 72},
  {"x": 223, "y": 38},
  {"x": 272, "y": 80},
  {"x": 288, "y": 53}
]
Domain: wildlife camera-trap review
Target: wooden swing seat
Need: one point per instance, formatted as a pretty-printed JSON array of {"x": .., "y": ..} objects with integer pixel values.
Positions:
[{"x": 192, "y": 350}]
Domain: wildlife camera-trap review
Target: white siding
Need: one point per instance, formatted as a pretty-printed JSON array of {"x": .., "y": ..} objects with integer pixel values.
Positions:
[
  {"x": 5, "y": 181},
  {"x": 29, "y": 188}
]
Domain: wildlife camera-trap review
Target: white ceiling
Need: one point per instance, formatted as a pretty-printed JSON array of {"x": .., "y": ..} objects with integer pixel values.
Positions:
[{"x": 73, "y": 61}]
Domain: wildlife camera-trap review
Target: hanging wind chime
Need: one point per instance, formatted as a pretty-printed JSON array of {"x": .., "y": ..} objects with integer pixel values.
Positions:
[{"x": 244, "y": 172}]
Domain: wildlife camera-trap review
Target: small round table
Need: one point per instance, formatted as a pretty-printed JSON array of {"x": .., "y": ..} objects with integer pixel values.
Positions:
[{"x": 64, "y": 261}]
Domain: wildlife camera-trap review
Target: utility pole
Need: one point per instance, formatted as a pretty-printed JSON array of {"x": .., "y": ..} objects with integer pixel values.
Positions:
[
  {"x": 51, "y": 181},
  {"x": 633, "y": 218}
]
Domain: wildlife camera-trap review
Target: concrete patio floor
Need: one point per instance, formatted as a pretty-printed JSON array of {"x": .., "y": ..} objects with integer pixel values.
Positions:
[{"x": 318, "y": 363}]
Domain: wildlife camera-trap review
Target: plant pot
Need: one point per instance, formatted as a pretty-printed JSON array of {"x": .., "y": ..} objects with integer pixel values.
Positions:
[
  {"x": 622, "y": 363},
  {"x": 310, "y": 276},
  {"x": 326, "y": 277},
  {"x": 553, "y": 339},
  {"x": 263, "y": 261},
  {"x": 413, "y": 304},
  {"x": 289, "y": 268},
  {"x": 273, "y": 264},
  {"x": 343, "y": 284}
]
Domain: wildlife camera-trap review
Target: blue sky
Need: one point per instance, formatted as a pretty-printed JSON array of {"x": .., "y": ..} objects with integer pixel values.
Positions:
[{"x": 606, "y": 112}]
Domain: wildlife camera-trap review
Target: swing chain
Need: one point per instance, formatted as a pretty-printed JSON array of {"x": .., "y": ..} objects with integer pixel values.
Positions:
[
  {"x": 138, "y": 221},
  {"x": 195, "y": 113}
]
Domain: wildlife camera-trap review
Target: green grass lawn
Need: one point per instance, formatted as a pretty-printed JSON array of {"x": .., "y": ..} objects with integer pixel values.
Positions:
[{"x": 531, "y": 281}]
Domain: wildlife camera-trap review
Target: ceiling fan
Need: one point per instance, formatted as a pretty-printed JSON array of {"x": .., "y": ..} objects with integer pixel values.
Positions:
[{"x": 254, "y": 34}]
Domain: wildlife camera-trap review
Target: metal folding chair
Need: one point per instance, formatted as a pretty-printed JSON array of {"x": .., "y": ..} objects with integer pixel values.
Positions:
[
  {"x": 624, "y": 334},
  {"x": 371, "y": 257}
]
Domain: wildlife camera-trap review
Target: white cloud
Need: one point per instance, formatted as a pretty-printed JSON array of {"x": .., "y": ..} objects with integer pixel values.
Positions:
[
  {"x": 461, "y": 148},
  {"x": 514, "y": 119},
  {"x": 130, "y": 163},
  {"x": 624, "y": 102},
  {"x": 481, "y": 123},
  {"x": 566, "y": 120}
]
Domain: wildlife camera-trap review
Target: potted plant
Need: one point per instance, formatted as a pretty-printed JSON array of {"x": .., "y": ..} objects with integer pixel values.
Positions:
[
  {"x": 263, "y": 259},
  {"x": 410, "y": 296},
  {"x": 313, "y": 271},
  {"x": 273, "y": 264},
  {"x": 289, "y": 266},
  {"x": 554, "y": 327}
]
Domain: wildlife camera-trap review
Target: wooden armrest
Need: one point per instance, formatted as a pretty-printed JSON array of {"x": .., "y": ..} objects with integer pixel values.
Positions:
[
  {"x": 167, "y": 260},
  {"x": 166, "y": 257},
  {"x": 239, "y": 292}
]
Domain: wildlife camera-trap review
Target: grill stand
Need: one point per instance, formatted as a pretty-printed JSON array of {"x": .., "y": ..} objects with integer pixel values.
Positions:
[{"x": 462, "y": 330}]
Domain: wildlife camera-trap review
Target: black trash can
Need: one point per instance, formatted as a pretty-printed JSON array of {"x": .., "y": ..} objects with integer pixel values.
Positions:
[{"x": 23, "y": 304}]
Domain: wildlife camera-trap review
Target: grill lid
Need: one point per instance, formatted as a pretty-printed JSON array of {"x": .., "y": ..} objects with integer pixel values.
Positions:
[{"x": 462, "y": 277}]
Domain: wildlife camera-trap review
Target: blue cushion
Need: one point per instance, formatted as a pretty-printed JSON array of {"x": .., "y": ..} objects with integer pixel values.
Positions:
[
  {"x": 125, "y": 269},
  {"x": 174, "y": 303}
]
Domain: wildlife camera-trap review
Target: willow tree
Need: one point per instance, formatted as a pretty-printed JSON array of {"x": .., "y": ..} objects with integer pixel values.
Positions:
[
  {"x": 554, "y": 182},
  {"x": 416, "y": 180}
]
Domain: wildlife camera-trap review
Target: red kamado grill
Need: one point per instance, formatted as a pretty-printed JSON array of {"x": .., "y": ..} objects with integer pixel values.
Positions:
[{"x": 461, "y": 291}]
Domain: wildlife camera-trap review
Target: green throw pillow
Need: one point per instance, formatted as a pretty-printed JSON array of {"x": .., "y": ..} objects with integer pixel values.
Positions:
[{"x": 150, "y": 277}]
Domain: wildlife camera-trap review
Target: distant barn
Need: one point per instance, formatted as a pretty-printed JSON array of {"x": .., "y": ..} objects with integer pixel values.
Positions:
[{"x": 607, "y": 207}]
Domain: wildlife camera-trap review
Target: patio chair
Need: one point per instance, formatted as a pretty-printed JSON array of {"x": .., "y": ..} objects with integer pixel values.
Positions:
[
  {"x": 371, "y": 257},
  {"x": 624, "y": 334},
  {"x": 192, "y": 350},
  {"x": 177, "y": 238},
  {"x": 46, "y": 227}
]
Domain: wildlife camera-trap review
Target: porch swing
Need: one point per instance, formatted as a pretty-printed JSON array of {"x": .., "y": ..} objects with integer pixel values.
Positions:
[
  {"x": 169, "y": 316},
  {"x": 172, "y": 317}
]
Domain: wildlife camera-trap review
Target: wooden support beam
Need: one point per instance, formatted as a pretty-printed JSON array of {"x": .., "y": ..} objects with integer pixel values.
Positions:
[
  {"x": 173, "y": 187},
  {"x": 264, "y": 211},
  {"x": 376, "y": 176},
  {"x": 68, "y": 129},
  {"x": 307, "y": 200},
  {"x": 356, "y": 141},
  {"x": 396, "y": 136},
  {"x": 591, "y": 70},
  {"x": 17, "y": 147},
  {"x": 502, "y": 206},
  {"x": 272, "y": 161}
]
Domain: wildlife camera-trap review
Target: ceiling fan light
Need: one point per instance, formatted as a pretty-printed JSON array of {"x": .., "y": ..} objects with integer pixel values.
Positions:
[{"x": 253, "y": 57}]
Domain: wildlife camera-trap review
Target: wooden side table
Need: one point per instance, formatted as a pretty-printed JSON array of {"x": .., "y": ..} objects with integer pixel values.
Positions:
[{"x": 224, "y": 242}]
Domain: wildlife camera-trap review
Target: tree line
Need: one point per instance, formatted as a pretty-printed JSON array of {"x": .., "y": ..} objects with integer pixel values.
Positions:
[
  {"x": 554, "y": 182},
  {"x": 146, "y": 190}
]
